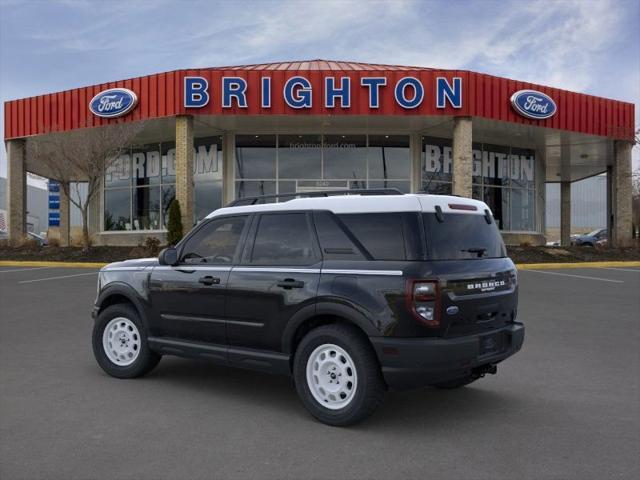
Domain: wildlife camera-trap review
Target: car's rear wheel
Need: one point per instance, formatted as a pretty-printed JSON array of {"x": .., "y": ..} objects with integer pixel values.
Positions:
[
  {"x": 120, "y": 343},
  {"x": 337, "y": 375}
]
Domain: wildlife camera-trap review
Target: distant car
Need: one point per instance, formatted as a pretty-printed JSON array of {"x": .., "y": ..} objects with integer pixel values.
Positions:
[
  {"x": 590, "y": 239},
  {"x": 42, "y": 241}
]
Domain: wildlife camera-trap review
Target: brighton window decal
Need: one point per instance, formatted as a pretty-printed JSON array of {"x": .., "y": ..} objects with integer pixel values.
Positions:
[
  {"x": 114, "y": 102},
  {"x": 533, "y": 104}
]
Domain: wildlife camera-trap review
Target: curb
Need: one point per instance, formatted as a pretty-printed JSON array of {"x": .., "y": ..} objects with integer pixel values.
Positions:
[
  {"x": 520, "y": 266},
  {"x": 27, "y": 263},
  {"x": 548, "y": 266}
]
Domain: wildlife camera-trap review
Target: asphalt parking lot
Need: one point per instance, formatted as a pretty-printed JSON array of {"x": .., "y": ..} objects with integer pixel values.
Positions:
[{"x": 567, "y": 406}]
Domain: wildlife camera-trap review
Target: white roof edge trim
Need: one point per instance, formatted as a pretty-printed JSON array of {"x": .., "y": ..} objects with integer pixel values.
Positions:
[{"x": 410, "y": 202}]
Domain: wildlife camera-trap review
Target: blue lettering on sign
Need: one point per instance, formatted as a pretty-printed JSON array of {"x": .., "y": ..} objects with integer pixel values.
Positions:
[
  {"x": 234, "y": 87},
  {"x": 444, "y": 92},
  {"x": 266, "y": 93},
  {"x": 533, "y": 104},
  {"x": 374, "y": 84},
  {"x": 401, "y": 94},
  {"x": 196, "y": 92},
  {"x": 297, "y": 92},
  {"x": 331, "y": 92},
  {"x": 114, "y": 102},
  {"x": 54, "y": 187},
  {"x": 54, "y": 204}
]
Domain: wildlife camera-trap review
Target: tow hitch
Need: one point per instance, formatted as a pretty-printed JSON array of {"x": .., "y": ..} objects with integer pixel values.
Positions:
[{"x": 481, "y": 371}]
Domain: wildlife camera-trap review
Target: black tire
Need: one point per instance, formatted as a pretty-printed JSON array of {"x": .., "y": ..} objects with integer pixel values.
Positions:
[
  {"x": 146, "y": 359},
  {"x": 456, "y": 383},
  {"x": 370, "y": 386}
]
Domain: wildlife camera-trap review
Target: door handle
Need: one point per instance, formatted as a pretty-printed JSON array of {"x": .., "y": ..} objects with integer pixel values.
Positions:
[
  {"x": 209, "y": 280},
  {"x": 288, "y": 283}
]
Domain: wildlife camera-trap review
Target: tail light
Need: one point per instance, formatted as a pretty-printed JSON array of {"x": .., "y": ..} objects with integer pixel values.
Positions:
[{"x": 423, "y": 300}]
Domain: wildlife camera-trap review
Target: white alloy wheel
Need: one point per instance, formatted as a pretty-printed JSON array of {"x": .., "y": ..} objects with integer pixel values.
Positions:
[
  {"x": 331, "y": 376},
  {"x": 121, "y": 341}
]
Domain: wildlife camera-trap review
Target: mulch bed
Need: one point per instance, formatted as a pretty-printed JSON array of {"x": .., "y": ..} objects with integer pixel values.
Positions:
[{"x": 114, "y": 254}]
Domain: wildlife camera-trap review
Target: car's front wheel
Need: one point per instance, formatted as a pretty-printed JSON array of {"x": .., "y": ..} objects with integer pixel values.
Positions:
[
  {"x": 337, "y": 375},
  {"x": 120, "y": 343}
]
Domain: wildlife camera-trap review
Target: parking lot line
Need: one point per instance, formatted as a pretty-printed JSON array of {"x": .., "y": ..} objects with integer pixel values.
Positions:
[
  {"x": 23, "y": 269},
  {"x": 637, "y": 270},
  {"x": 577, "y": 276},
  {"x": 58, "y": 278}
]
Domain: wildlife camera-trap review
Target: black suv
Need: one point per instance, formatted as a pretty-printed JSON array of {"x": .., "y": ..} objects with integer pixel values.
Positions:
[{"x": 350, "y": 294}]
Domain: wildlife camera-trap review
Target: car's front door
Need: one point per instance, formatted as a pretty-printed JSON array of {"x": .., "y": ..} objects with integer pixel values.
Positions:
[
  {"x": 188, "y": 299},
  {"x": 278, "y": 275}
]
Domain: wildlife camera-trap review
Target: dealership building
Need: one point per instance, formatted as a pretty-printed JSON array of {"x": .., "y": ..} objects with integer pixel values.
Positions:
[{"x": 209, "y": 136}]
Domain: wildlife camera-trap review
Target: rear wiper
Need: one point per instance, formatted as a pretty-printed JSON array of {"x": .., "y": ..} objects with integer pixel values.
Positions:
[{"x": 479, "y": 251}]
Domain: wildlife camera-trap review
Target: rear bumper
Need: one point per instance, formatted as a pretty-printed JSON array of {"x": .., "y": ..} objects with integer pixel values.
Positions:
[{"x": 416, "y": 362}]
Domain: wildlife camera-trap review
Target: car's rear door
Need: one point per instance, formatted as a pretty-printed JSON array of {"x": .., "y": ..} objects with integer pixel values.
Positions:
[
  {"x": 277, "y": 276},
  {"x": 188, "y": 300}
]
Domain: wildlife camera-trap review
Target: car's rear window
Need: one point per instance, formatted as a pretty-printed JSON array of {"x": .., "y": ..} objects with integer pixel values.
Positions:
[
  {"x": 386, "y": 236},
  {"x": 462, "y": 236}
]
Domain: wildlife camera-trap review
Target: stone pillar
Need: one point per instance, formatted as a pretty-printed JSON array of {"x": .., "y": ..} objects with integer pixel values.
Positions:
[
  {"x": 415, "y": 147},
  {"x": 65, "y": 217},
  {"x": 228, "y": 167},
  {"x": 565, "y": 213},
  {"x": 184, "y": 170},
  {"x": 16, "y": 191},
  {"x": 462, "y": 156},
  {"x": 621, "y": 185}
]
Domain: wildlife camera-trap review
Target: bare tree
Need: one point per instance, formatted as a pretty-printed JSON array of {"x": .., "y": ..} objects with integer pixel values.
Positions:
[{"x": 82, "y": 156}]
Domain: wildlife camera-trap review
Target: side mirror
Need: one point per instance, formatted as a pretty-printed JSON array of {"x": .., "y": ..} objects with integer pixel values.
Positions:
[{"x": 168, "y": 256}]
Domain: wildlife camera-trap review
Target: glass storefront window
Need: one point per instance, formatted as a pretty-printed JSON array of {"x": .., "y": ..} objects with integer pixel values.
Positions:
[
  {"x": 255, "y": 156},
  {"x": 151, "y": 171},
  {"x": 344, "y": 157},
  {"x": 299, "y": 156},
  {"x": 389, "y": 157},
  {"x": 118, "y": 174},
  {"x": 307, "y": 163},
  {"x": 502, "y": 176},
  {"x": 146, "y": 208},
  {"x": 436, "y": 160},
  {"x": 117, "y": 209}
]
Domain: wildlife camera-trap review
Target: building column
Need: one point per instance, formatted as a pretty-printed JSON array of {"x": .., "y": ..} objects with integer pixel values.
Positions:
[
  {"x": 565, "y": 213},
  {"x": 16, "y": 191},
  {"x": 65, "y": 218},
  {"x": 621, "y": 184},
  {"x": 184, "y": 170},
  {"x": 228, "y": 168},
  {"x": 415, "y": 147},
  {"x": 462, "y": 156}
]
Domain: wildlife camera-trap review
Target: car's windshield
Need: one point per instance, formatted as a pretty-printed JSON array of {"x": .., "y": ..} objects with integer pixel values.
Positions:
[
  {"x": 462, "y": 236},
  {"x": 594, "y": 233}
]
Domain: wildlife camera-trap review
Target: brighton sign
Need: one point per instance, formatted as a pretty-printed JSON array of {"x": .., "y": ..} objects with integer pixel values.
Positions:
[
  {"x": 533, "y": 104},
  {"x": 113, "y": 103},
  {"x": 408, "y": 92}
]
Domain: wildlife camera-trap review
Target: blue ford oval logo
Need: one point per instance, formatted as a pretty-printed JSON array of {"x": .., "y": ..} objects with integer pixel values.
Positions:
[
  {"x": 452, "y": 310},
  {"x": 114, "y": 102},
  {"x": 533, "y": 104}
]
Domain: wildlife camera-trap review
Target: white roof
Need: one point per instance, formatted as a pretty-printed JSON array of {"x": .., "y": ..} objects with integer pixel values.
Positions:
[{"x": 364, "y": 204}]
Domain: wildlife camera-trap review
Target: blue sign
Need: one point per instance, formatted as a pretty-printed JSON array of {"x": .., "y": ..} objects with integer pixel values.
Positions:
[
  {"x": 54, "y": 187},
  {"x": 533, "y": 104},
  {"x": 114, "y": 102},
  {"x": 54, "y": 203},
  {"x": 54, "y": 219}
]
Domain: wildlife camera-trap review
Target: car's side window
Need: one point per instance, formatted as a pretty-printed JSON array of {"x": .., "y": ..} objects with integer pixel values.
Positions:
[
  {"x": 283, "y": 239},
  {"x": 216, "y": 242}
]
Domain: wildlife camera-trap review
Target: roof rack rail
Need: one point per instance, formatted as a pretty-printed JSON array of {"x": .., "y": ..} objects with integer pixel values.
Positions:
[{"x": 245, "y": 201}]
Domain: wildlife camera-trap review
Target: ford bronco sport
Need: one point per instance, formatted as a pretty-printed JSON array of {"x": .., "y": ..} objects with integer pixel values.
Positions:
[{"x": 350, "y": 294}]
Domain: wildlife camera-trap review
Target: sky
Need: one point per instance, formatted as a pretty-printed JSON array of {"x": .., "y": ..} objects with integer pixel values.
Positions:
[{"x": 581, "y": 45}]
